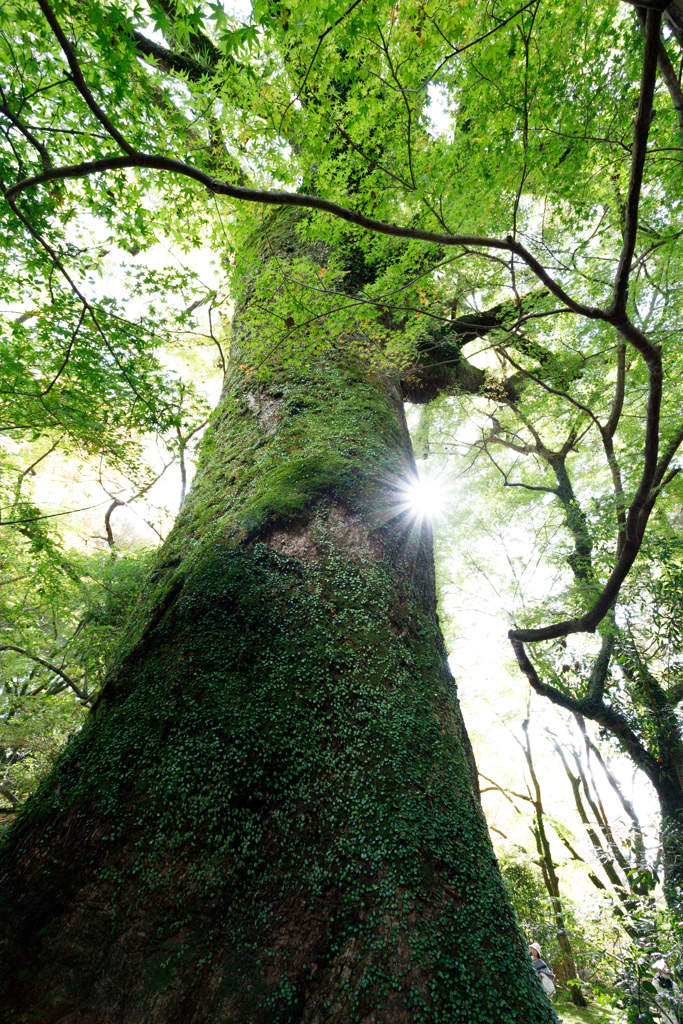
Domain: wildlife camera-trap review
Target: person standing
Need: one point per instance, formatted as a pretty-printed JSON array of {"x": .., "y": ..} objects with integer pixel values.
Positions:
[{"x": 546, "y": 976}]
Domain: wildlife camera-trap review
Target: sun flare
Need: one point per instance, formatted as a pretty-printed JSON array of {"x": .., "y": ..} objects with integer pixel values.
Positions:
[{"x": 425, "y": 496}]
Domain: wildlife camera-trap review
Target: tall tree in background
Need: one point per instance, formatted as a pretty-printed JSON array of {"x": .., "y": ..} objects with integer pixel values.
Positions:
[
  {"x": 270, "y": 813},
  {"x": 566, "y": 968}
]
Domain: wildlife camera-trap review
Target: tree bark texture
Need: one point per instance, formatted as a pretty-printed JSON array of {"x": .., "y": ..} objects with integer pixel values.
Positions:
[
  {"x": 270, "y": 815},
  {"x": 671, "y": 837}
]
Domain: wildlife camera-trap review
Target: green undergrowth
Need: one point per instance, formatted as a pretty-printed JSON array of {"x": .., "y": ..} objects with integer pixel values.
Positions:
[
  {"x": 591, "y": 1014},
  {"x": 290, "y": 734}
]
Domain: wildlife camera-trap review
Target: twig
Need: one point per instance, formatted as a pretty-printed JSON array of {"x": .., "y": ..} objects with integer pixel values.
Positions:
[
  {"x": 321, "y": 37},
  {"x": 67, "y": 354}
]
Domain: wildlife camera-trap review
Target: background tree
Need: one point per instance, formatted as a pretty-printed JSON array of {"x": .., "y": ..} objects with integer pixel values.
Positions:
[
  {"x": 567, "y": 966},
  {"x": 63, "y": 627},
  {"x": 561, "y": 490}
]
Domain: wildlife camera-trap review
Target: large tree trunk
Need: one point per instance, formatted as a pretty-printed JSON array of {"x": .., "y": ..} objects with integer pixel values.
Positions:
[{"x": 270, "y": 815}]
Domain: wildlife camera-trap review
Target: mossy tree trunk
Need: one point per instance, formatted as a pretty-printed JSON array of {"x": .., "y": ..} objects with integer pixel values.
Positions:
[{"x": 270, "y": 815}]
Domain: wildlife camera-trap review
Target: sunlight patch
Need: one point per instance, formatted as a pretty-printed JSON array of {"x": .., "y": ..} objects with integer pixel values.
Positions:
[{"x": 425, "y": 496}]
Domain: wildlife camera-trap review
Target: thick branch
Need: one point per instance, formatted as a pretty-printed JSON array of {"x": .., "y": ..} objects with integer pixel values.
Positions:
[
  {"x": 606, "y": 717},
  {"x": 669, "y": 76},
  {"x": 198, "y": 39},
  {"x": 615, "y": 472},
  {"x": 637, "y": 520},
  {"x": 107, "y": 522},
  {"x": 81, "y": 694},
  {"x": 442, "y": 369},
  {"x": 641, "y": 131},
  {"x": 168, "y": 60},
  {"x": 650, "y": 5},
  {"x": 9, "y": 795},
  {"x": 673, "y": 15},
  {"x": 596, "y": 680},
  {"x": 618, "y": 402},
  {"x": 79, "y": 80},
  {"x": 271, "y": 197}
]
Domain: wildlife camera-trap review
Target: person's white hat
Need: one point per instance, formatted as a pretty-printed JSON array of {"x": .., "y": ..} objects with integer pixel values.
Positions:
[{"x": 535, "y": 945}]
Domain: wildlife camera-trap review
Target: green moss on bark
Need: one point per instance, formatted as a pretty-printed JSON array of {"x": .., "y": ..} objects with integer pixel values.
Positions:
[
  {"x": 290, "y": 741},
  {"x": 269, "y": 817}
]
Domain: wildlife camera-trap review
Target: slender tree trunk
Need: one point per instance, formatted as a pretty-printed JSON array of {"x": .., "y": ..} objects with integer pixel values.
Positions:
[
  {"x": 671, "y": 836},
  {"x": 270, "y": 814},
  {"x": 673, "y": 17},
  {"x": 568, "y": 970},
  {"x": 666, "y": 775}
]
